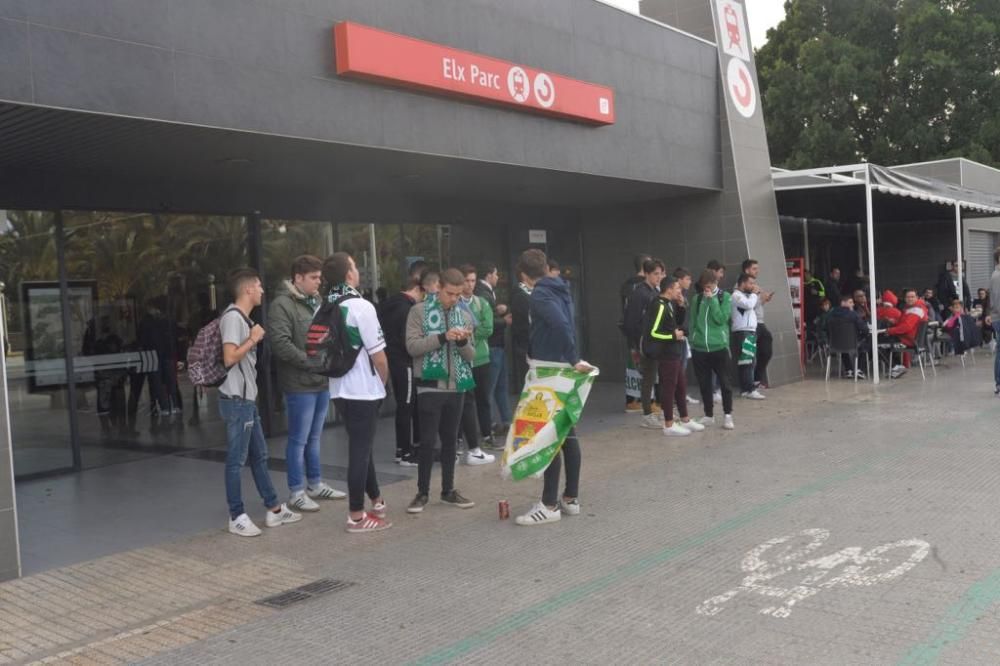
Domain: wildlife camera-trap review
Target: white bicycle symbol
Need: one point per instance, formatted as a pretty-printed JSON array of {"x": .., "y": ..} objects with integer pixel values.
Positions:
[{"x": 859, "y": 568}]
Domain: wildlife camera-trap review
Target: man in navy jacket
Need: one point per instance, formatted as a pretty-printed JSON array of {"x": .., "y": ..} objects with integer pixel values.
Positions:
[{"x": 553, "y": 338}]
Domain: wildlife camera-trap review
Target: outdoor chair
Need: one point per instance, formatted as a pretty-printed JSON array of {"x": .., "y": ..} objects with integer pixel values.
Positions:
[{"x": 843, "y": 340}]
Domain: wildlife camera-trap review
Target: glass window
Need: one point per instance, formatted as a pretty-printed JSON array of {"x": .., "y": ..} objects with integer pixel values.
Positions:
[
  {"x": 142, "y": 287},
  {"x": 35, "y": 344}
]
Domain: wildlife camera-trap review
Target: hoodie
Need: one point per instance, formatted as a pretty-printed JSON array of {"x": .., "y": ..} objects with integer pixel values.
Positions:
[
  {"x": 663, "y": 319},
  {"x": 553, "y": 331},
  {"x": 392, "y": 314},
  {"x": 710, "y": 319},
  {"x": 888, "y": 311},
  {"x": 288, "y": 320}
]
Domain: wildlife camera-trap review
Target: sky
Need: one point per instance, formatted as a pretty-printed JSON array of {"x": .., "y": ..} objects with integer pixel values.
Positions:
[{"x": 762, "y": 14}]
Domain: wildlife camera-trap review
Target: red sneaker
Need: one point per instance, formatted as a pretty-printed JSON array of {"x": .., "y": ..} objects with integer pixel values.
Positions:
[
  {"x": 367, "y": 523},
  {"x": 378, "y": 510}
]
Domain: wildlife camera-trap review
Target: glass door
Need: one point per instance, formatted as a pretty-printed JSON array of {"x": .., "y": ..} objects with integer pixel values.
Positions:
[{"x": 35, "y": 346}]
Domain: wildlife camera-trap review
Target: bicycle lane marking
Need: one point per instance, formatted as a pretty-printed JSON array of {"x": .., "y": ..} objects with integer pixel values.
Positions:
[
  {"x": 525, "y": 617},
  {"x": 957, "y": 621}
]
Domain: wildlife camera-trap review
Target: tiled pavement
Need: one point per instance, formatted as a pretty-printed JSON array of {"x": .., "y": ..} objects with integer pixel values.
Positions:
[{"x": 837, "y": 525}]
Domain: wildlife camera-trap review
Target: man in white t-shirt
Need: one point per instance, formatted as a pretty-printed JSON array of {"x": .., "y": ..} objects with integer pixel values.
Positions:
[
  {"x": 359, "y": 392},
  {"x": 238, "y": 407}
]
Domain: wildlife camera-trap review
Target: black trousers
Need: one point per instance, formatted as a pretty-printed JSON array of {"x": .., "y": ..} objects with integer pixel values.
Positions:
[
  {"x": 440, "y": 412},
  {"x": 482, "y": 395},
  {"x": 570, "y": 452},
  {"x": 707, "y": 364},
  {"x": 359, "y": 419},
  {"x": 404, "y": 391},
  {"x": 765, "y": 350},
  {"x": 469, "y": 425}
]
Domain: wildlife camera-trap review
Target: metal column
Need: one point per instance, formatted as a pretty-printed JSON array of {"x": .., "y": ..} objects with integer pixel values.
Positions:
[{"x": 873, "y": 321}]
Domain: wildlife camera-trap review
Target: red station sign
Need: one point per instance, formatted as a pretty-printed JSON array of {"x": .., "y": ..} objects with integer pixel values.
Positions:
[{"x": 376, "y": 55}]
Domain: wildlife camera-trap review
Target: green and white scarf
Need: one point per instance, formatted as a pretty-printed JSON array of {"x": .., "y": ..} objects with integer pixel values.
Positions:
[
  {"x": 748, "y": 350},
  {"x": 435, "y": 366},
  {"x": 342, "y": 290}
]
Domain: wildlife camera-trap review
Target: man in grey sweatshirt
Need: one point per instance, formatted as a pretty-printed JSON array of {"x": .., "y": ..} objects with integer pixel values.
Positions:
[{"x": 439, "y": 338}]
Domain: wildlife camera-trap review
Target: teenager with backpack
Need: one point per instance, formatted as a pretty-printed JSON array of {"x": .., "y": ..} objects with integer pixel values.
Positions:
[
  {"x": 439, "y": 338},
  {"x": 358, "y": 344},
  {"x": 307, "y": 394},
  {"x": 711, "y": 312},
  {"x": 238, "y": 407}
]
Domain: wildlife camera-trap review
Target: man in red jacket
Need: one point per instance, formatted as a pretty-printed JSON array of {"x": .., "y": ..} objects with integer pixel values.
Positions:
[{"x": 909, "y": 323}]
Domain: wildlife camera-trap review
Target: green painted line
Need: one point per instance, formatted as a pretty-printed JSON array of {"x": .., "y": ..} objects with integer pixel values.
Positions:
[
  {"x": 529, "y": 615},
  {"x": 957, "y": 621}
]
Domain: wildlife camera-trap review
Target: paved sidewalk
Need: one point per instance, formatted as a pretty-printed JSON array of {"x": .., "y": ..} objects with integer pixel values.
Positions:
[{"x": 838, "y": 524}]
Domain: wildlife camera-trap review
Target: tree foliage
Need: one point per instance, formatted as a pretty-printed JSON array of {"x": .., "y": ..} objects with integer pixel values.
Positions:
[{"x": 888, "y": 81}]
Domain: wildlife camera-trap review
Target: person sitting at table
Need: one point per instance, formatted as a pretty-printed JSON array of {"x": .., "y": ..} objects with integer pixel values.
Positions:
[
  {"x": 905, "y": 330},
  {"x": 982, "y": 303},
  {"x": 820, "y": 322},
  {"x": 959, "y": 327},
  {"x": 861, "y": 304},
  {"x": 845, "y": 312},
  {"x": 886, "y": 311},
  {"x": 935, "y": 309}
]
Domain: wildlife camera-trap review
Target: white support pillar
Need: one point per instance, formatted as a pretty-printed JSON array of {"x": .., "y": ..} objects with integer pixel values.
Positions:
[
  {"x": 873, "y": 320},
  {"x": 958, "y": 245}
]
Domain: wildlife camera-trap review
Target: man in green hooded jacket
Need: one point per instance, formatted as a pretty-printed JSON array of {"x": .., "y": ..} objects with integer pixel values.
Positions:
[{"x": 710, "y": 315}]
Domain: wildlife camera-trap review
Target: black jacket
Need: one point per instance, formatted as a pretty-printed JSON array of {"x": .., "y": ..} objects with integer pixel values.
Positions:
[
  {"x": 520, "y": 329},
  {"x": 946, "y": 291},
  {"x": 483, "y": 290},
  {"x": 392, "y": 313},
  {"x": 659, "y": 339},
  {"x": 635, "y": 311}
]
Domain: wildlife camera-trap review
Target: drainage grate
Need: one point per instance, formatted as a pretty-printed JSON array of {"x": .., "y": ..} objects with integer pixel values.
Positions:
[{"x": 304, "y": 592}]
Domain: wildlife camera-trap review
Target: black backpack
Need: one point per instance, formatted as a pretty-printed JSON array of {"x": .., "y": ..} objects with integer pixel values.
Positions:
[{"x": 327, "y": 343}]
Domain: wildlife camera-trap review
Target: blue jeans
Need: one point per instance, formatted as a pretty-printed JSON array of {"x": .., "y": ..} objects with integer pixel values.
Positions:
[
  {"x": 498, "y": 384},
  {"x": 245, "y": 443},
  {"x": 306, "y": 414},
  {"x": 996, "y": 359}
]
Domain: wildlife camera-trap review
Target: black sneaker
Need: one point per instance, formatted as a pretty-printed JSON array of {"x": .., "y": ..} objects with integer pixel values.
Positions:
[
  {"x": 408, "y": 460},
  {"x": 418, "y": 504},
  {"x": 455, "y": 499}
]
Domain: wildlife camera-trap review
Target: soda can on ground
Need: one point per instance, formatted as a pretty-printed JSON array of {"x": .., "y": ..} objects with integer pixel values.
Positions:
[{"x": 503, "y": 508}]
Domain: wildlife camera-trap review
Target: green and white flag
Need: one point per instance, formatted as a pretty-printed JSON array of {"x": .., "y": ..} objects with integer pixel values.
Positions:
[{"x": 551, "y": 403}]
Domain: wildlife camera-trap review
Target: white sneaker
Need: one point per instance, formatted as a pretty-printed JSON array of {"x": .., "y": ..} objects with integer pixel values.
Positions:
[
  {"x": 754, "y": 395},
  {"x": 692, "y": 425},
  {"x": 727, "y": 422},
  {"x": 477, "y": 456},
  {"x": 676, "y": 430},
  {"x": 285, "y": 516},
  {"x": 539, "y": 514},
  {"x": 707, "y": 421},
  {"x": 717, "y": 396},
  {"x": 652, "y": 422},
  {"x": 243, "y": 526},
  {"x": 693, "y": 401},
  {"x": 302, "y": 502},
  {"x": 325, "y": 492},
  {"x": 571, "y": 507}
]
